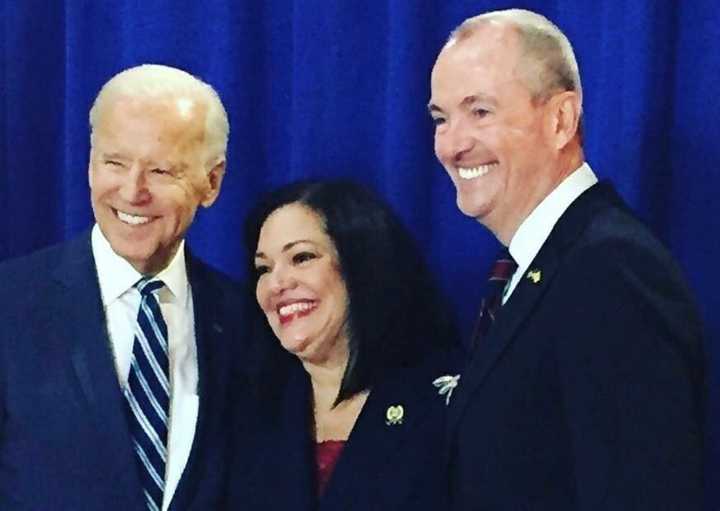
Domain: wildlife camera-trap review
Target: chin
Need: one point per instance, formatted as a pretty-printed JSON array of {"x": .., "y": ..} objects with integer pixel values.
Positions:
[
  {"x": 471, "y": 210},
  {"x": 294, "y": 346}
]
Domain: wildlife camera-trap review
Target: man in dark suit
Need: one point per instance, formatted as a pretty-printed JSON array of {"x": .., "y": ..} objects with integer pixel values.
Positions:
[
  {"x": 586, "y": 391},
  {"x": 116, "y": 347}
]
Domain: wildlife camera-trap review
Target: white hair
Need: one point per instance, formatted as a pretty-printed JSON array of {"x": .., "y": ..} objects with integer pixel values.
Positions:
[
  {"x": 152, "y": 81},
  {"x": 547, "y": 53}
]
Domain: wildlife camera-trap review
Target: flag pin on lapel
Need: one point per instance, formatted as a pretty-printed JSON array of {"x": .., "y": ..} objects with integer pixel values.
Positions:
[
  {"x": 394, "y": 415},
  {"x": 535, "y": 276}
]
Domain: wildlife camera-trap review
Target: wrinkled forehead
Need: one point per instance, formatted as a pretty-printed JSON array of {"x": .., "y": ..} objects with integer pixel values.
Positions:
[
  {"x": 175, "y": 120},
  {"x": 181, "y": 113},
  {"x": 490, "y": 43},
  {"x": 485, "y": 62}
]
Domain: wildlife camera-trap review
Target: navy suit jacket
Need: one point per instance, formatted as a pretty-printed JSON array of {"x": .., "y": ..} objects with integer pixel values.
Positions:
[
  {"x": 588, "y": 392},
  {"x": 64, "y": 439},
  {"x": 383, "y": 466}
]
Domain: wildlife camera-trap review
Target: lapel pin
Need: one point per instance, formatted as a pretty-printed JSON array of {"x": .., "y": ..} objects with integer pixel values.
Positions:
[
  {"x": 535, "y": 276},
  {"x": 445, "y": 385},
  {"x": 394, "y": 415}
]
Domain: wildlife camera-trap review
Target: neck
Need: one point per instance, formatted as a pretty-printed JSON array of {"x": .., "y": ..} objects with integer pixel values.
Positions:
[
  {"x": 568, "y": 162},
  {"x": 326, "y": 378}
]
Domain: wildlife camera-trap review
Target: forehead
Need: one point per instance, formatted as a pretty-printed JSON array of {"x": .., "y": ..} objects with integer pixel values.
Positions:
[
  {"x": 485, "y": 59},
  {"x": 166, "y": 120},
  {"x": 291, "y": 223}
]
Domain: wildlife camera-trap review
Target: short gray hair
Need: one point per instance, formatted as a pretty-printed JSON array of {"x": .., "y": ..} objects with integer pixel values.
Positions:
[
  {"x": 551, "y": 64},
  {"x": 158, "y": 81}
]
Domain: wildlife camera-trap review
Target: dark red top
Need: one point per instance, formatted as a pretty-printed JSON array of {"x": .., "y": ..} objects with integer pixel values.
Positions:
[{"x": 327, "y": 454}]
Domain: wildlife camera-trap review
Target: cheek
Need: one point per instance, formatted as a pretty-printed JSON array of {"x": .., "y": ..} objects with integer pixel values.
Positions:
[
  {"x": 440, "y": 150},
  {"x": 99, "y": 183},
  {"x": 261, "y": 296}
]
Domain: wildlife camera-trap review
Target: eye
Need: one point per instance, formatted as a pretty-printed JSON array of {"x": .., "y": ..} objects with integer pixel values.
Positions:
[
  {"x": 302, "y": 257},
  {"x": 261, "y": 269},
  {"x": 112, "y": 163},
  {"x": 159, "y": 171},
  {"x": 480, "y": 112},
  {"x": 437, "y": 121}
]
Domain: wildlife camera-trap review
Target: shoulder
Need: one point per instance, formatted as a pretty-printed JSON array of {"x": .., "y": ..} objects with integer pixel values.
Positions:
[
  {"x": 599, "y": 240},
  {"x": 618, "y": 254},
  {"x": 617, "y": 284},
  {"x": 211, "y": 284},
  {"x": 43, "y": 260},
  {"x": 34, "y": 274}
]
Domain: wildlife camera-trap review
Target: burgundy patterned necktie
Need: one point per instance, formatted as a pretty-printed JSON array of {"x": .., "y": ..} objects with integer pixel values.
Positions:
[{"x": 501, "y": 272}]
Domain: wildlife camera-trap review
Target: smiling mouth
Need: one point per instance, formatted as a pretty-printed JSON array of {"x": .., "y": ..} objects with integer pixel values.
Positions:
[
  {"x": 475, "y": 172},
  {"x": 130, "y": 219},
  {"x": 291, "y": 311}
]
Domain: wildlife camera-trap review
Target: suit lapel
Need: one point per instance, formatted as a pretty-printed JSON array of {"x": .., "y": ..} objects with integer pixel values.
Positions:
[
  {"x": 375, "y": 440},
  {"x": 78, "y": 306},
  {"x": 287, "y": 458},
  {"x": 210, "y": 337},
  {"x": 528, "y": 293}
]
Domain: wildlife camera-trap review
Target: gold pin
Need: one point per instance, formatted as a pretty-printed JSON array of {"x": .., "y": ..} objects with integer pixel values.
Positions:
[
  {"x": 394, "y": 415},
  {"x": 534, "y": 275}
]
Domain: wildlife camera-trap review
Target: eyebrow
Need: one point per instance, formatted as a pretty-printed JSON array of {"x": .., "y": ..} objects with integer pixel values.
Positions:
[
  {"x": 467, "y": 100},
  {"x": 285, "y": 248},
  {"x": 113, "y": 156}
]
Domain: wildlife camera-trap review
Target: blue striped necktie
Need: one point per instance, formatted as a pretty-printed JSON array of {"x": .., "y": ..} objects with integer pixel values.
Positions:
[{"x": 148, "y": 393}]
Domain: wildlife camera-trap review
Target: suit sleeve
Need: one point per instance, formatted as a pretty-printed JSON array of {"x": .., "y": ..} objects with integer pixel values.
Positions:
[{"x": 628, "y": 354}]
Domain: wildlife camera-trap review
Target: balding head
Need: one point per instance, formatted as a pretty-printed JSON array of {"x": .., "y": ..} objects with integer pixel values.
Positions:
[
  {"x": 158, "y": 154},
  {"x": 158, "y": 83},
  {"x": 506, "y": 104},
  {"x": 547, "y": 60}
]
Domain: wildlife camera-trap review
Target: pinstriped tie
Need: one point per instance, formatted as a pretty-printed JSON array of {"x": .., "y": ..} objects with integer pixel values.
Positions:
[
  {"x": 148, "y": 394},
  {"x": 500, "y": 274}
]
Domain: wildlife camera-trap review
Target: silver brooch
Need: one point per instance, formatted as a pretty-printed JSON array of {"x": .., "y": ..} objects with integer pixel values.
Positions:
[{"x": 445, "y": 385}]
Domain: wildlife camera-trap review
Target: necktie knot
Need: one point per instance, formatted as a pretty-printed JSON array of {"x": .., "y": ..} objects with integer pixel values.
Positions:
[
  {"x": 147, "y": 286},
  {"x": 504, "y": 267},
  {"x": 500, "y": 274}
]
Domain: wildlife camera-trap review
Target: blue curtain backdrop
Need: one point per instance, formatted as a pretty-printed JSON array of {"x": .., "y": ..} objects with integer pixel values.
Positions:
[{"x": 339, "y": 88}]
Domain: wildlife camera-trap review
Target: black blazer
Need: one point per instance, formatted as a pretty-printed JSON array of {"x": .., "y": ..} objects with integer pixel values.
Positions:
[
  {"x": 588, "y": 392},
  {"x": 64, "y": 440},
  {"x": 384, "y": 466}
]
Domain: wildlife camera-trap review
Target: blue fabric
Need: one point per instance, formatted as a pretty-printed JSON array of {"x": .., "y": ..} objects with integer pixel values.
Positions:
[
  {"x": 388, "y": 465},
  {"x": 340, "y": 88},
  {"x": 65, "y": 437}
]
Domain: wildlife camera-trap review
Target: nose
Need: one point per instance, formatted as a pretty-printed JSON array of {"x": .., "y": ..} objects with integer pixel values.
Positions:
[
  {"x": 452, "y": 143},
  {"x": 280, "y": 279},
  {"x": 134, "y": 188}
]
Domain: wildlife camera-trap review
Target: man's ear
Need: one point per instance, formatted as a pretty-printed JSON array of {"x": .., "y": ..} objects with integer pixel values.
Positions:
[
  {"x": 564, "y": 111},
  {"x": 90, "y": 166},
  {"x": 214, "y": 182}
]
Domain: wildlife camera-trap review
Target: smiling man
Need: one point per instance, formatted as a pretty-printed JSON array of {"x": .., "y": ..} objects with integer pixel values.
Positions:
[
  {"x": 585, "y": 389},
  {"x": 116, "y": 348}
]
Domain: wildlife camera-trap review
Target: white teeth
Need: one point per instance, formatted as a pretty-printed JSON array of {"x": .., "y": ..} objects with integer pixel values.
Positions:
[
  {"x": 132, "y": 219},
  {"x": 286, "y": 310},
  {"x": 472, "y": 173}
]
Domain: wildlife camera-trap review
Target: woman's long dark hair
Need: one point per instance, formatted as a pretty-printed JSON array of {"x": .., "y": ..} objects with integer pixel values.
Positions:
[{"x": 396, "y": 314}]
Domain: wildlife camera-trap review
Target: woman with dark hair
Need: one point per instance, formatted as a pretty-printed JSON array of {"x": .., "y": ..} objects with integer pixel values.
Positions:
[{"x": 354, "y": 417}]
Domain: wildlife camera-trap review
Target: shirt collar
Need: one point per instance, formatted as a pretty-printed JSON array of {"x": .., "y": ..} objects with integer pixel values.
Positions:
[
  {"x": 116, "y": 276},
  {"x": 536, "y": 228}
]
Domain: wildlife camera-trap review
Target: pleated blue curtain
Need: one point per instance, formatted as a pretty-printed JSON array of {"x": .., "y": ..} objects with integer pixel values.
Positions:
[{"x": 339, "y": 88}]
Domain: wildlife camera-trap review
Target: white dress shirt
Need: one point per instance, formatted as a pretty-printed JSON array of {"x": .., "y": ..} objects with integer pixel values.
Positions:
[
  {"x": 536, "y": 228},
  {"x": 121, "y": 301}
]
